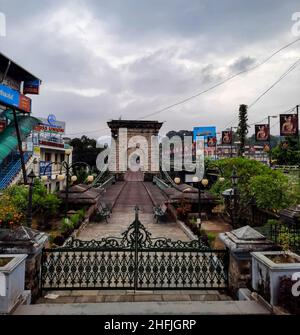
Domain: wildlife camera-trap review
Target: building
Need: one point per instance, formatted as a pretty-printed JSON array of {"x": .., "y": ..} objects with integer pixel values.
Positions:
[
  {"x": 50, "y": 150},
  {"x": 255, "y": 152},
  {"x": 16, "y": 122}
]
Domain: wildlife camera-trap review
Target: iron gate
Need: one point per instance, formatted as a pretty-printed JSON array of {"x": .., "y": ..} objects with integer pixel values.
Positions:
[{"x": 134, "y": 261}]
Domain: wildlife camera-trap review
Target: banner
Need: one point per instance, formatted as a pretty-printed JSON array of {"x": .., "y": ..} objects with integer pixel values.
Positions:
[
  {"x": 31, "y": 87},
  {"x": 45, "y": 168},
  {"x": 211, "y": 142},
  {"x": 262, "y": 132},
  {"x": 12, "y": 98},
  {"x": 288, "y": 125},
  {"x": 227, "y": 137},
  {"x": 2, "y": 126}
]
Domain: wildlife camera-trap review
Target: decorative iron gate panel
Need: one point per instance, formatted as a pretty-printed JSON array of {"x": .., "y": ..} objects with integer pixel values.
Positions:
[{"x": 134, "y": 261}]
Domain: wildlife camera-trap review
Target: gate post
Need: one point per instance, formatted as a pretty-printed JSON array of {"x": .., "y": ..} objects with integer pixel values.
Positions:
[
  {"x": 240, "y": 243},
  {"x": 136, "y": 235}
]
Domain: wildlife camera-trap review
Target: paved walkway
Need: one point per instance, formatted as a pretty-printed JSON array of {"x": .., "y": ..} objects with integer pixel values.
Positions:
[
  {"x": 149, "y": 308},
  {"x": 124, "y": 196},
  {"x": 93, "y": 296}
]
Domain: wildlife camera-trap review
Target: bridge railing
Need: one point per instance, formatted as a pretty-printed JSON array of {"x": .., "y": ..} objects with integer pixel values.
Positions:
[{"x": 160, "y": 183}]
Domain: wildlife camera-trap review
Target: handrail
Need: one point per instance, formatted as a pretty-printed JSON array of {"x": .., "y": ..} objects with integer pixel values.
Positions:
[{"x": 160, "y": 182}]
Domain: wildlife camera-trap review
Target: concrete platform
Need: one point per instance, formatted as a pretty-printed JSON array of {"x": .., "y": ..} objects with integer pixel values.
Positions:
[{"x": 147, "y": 308}]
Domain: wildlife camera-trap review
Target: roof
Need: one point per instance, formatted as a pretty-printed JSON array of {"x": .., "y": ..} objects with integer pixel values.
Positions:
[
  {"x": 82, "y": 194},
  {"x": 115, "y": 124},
  {"x": 8, "y": 138},
  {"x": 16, "y": 71}
]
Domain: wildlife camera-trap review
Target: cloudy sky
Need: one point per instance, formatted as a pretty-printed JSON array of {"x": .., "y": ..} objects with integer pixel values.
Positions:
[{"x": 101, "y": 60}]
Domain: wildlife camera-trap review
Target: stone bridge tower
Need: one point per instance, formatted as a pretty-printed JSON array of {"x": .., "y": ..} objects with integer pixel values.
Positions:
[{"x": 135, "y": 147}]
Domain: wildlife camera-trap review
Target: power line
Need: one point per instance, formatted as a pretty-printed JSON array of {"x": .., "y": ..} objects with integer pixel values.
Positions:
[
  {"x": 290, "y": 69},
  {"x": 222, "y": 82},
  {"x": 208, "y": 89}
]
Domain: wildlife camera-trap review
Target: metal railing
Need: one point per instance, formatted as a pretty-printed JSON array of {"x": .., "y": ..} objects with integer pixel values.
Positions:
[{"x": 285, "y": 236}]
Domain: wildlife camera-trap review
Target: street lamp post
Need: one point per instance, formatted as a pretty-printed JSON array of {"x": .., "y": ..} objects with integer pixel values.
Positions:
[
  {"x": 68, "y": 168},
  {"x": 269, "y": 126},
  {"x": 30, "y": 180},
  {"x": 234, "y": 180},
  {"x": 204, "y": 182}
]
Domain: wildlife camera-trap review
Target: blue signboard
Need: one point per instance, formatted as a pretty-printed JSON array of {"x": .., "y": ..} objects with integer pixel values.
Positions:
[
  {"x": 31, "y": 86},
  {"x": 45, "y": 168},
  {"x": 9, "y": 96},
  {"x": 208, "y": 134},
  {"x": 204, "y": 131}
]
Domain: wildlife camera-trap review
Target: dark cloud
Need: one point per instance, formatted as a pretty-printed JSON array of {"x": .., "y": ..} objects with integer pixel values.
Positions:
[
  {"x": 242, "y": 64},
  {"x": 102, "y": 59}
]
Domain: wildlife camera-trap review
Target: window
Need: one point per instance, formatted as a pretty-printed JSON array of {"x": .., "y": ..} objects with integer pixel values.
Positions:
[
  {"x": 48, "y": 156},
  {"x": 62, "y": 157},
  {"x": 56, "y": 158}
]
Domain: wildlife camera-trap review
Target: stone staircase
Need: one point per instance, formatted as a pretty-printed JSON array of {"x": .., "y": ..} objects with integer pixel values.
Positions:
[{"x": 185, "y": 302}]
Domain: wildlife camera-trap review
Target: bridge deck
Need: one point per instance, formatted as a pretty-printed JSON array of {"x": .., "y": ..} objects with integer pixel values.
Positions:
[{"x": 124, "y": 196}]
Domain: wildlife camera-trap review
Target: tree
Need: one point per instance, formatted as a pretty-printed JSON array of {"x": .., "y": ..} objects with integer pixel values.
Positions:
[
  {"x": 268, "y": 189},
  {"x": 242, "y": 130},
  {"x": 287, "y": 152},
  {"x": 85, "y": 150}
]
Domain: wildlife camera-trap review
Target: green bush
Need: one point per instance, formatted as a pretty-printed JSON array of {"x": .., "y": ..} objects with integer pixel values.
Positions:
[
  {"x": 66, "y": 224},
  {"x": 75, "y": 218},
  {"x": 81, "y": 213}
]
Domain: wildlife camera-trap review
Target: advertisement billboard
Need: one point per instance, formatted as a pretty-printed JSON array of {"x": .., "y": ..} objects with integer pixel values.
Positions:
[
  {"x": 262, "y": 132},
  {"x": 227, "y": 137},
  {"x": 206, "y": 134},
  {"x": 12, "y": 98},
  {"x": 289, "y": 125},
  {"x": 32, "y": 87}
]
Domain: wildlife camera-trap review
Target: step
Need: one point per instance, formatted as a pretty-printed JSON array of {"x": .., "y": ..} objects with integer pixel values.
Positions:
[{"x": 147, "y": 308}]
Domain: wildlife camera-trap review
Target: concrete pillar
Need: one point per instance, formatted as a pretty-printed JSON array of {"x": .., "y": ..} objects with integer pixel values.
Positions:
[
  {"x": 27, "y": 241},
  {"x": 240, "y": 243}
]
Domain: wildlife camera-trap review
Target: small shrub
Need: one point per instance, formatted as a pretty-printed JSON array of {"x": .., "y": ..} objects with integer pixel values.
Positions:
[
  {"x": 59, "y": 240},
  {"x": 66, "y": 225},
  {"x": 81, "y": 213},
  {"x": 75, "y": 218}
]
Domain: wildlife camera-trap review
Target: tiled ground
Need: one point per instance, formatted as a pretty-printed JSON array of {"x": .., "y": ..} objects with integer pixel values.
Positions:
[
  {"x": 129, "y": 296},
  {"x": 132, "y": 193}
]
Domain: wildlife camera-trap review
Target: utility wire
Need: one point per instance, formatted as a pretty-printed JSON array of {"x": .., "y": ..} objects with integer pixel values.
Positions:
[
  {"x": 210, "y": 88},
  {"x": 222, "y": 82},
  {"x": 288, "y": 71}
]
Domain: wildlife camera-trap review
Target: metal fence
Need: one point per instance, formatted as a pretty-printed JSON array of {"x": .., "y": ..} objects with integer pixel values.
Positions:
[
  {"x": 134, "y": 261},
  {"x": 285, "y": 235}
]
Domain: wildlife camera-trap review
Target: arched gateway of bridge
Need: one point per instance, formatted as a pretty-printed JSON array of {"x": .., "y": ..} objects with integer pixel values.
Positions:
[{"x": 134, "y": 147}]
